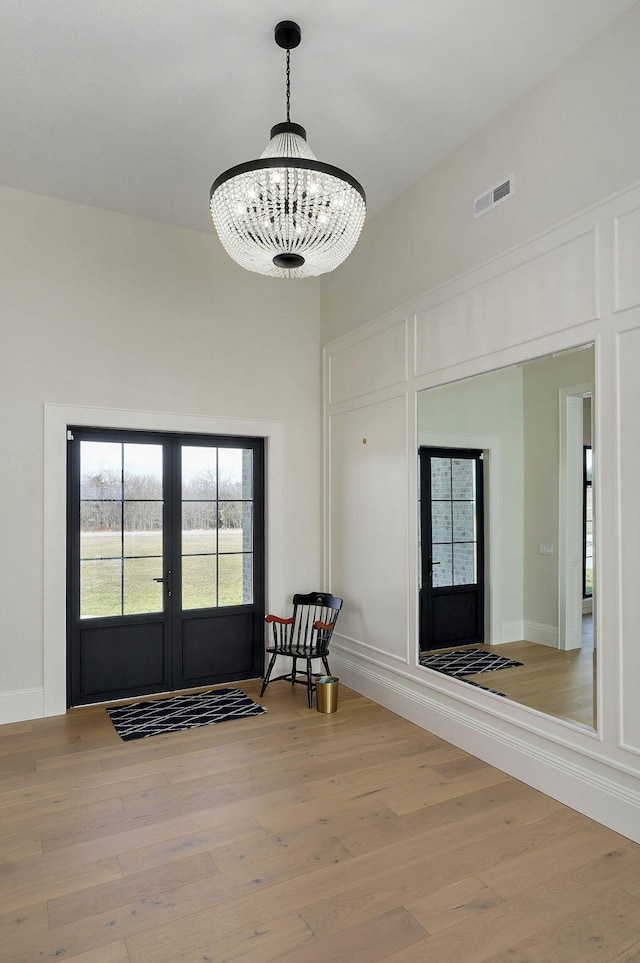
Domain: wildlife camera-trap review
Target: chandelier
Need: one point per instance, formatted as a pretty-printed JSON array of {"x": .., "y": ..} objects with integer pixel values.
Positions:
[{"x": 287, "y": 214}]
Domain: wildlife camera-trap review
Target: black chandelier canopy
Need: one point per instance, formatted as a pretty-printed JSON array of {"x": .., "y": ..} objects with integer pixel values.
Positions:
[{"x": 287, "y": 214}]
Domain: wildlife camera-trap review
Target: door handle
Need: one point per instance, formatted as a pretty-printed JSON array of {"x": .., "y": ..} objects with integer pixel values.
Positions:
[
  {"x": 168, "y": 581},
  {"x": 431, "y": 564}
]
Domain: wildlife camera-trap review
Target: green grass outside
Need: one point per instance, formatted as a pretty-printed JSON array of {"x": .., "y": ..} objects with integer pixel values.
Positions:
[{"x": 102, "y": 570}]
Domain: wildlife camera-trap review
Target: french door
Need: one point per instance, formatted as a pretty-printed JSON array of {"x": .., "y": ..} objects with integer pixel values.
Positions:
[
  {"x": 452, "y": 548},
  {"x": 165, "y": 562}
]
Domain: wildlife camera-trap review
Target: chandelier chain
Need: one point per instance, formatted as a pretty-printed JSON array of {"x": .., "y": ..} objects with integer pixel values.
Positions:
[{"x": 288, "y": 83}]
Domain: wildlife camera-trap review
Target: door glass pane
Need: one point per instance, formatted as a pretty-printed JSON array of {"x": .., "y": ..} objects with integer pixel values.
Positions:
[
  {"x": 199, "y": 527},
  {"x": 440, "y": 478},
  {"x": 121, "y": 518},
  {"x": 441, "y": 524},
  {"x": 442, "y": 566},
  {"x": 464, "y": 563},
  {"x": 142, "y": 471},
  {"x": 463, "y": 478},
  {"x": 235, "y": 472},
  {"x": 142, "y": 528},
  {"x": 464, "y": 516},
  {"x": 217, "y": 522},
  {"x": 199, "y": 473},
  {"x": 453, "y": 522},
  {"x": 199, "y": 577},
  {"x": 100, "y": 588},
  {"x": 140, "y": 592},
  {"x": 230, "y": 579},
  {"x": 100, "y": 534},
  {"x": 100, "y": 470}
]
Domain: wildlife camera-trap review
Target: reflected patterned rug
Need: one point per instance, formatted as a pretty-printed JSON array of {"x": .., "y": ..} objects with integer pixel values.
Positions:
[
  {"x": 468, "y": 662},
  {"x": 138, "y": 720}
]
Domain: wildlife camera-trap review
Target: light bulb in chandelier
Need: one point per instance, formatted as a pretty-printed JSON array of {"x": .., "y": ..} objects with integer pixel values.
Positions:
[{"x": 287, "y": 214}]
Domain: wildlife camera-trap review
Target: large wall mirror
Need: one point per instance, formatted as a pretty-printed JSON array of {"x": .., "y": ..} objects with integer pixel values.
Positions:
[{"x": 506, "y": 532}]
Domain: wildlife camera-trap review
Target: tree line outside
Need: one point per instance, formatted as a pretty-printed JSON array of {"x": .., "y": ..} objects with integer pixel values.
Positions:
[{"x": 104, "y": 499}]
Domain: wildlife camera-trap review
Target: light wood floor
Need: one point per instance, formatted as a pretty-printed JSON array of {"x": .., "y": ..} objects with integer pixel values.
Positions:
[{"x": 295, "y": 836}]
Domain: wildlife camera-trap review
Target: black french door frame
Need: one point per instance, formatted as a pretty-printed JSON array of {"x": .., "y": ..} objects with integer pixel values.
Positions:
[
  {"x": 190, "y": 648},
  {"x": 452, "y": 614}
]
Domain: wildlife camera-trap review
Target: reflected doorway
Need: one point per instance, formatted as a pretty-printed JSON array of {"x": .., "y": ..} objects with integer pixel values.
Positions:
[{"x": 452, "y": 547}]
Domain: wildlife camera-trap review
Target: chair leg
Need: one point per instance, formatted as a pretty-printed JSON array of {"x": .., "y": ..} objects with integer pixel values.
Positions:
[
  {"x": 309, "y": 684},
  {"x": 265, "y": 683},
  {"x": 326, "y": 664},
  {"x": 294, "y": 670}
]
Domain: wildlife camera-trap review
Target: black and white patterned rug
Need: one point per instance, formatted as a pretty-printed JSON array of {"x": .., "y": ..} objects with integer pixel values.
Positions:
[
  {"x": 141, "y": 719},
  {"x": 468, "y": 662}
]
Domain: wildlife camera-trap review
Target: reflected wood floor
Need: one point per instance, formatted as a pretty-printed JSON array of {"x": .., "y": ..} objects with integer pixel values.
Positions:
[
  {"x": 561, "y": 684},
  {"x": 295, "y": 836}
]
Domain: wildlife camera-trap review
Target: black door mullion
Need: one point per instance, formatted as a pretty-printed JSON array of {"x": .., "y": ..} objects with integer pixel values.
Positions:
[
  {"x": 169, "y": 551},
  {"x": 73, "y": 565},
  {"x": 174, "y": 529}
]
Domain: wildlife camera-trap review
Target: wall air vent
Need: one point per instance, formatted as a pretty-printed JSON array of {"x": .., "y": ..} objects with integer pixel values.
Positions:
[{"x": 495, "y": 195}]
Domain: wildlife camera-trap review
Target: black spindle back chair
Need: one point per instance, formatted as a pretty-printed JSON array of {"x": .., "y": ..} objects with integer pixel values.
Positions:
[{"x": 306, "y": 635}]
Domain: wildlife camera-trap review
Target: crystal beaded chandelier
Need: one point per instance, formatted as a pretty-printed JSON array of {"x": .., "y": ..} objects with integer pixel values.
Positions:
[{"x": 287, "y": 214}]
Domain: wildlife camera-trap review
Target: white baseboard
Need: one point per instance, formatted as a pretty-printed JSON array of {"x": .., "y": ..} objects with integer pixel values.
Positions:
[
  {"x": 586, "y": 785},
  {"x": 21, "y": 705},
  {"x": 540, "y": 633},
  {"x": 511, "y": 632}
]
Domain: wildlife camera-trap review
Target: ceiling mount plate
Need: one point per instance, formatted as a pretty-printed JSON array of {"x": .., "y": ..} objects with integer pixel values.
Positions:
[{"x": 287, "y": 34}]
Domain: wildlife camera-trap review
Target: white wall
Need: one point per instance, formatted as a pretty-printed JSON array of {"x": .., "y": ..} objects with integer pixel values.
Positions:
[
  {"x": 103, "y": 310},
  {"x": 570, "y": 142},
  {"x": 542, "y": 381}
]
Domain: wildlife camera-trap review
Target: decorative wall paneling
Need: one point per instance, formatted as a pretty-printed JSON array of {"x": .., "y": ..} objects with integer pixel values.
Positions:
[
  {"x": 576, "y": 283},
  {"x": 550, "y": 286}
]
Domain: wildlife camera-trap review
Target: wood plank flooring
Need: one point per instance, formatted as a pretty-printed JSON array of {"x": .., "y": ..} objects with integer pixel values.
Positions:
[{"x": 299, "y": 837}]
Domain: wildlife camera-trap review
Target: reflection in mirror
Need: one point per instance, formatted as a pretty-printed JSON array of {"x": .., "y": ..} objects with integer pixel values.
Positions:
[{"x": 507, "y": 472}]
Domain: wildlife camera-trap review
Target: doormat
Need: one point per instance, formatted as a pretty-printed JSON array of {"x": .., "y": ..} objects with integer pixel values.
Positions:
[
  {"x": 138, "y": 720},
  {"x": 468, "y": 662}
]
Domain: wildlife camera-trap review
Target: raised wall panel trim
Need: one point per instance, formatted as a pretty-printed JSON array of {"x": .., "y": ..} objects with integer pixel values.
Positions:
[
  {"x": 21, "y": 705},
  {"x": 364, "y": 401},
  {"x": 358, "y": 644},
  {"x": 553, "y": 290},
  {"x": 628, "y": 360},
  {"x": 378, "y": 361},
  {"x": 629, "y": 748},
  {"x": 592, "y": 793},
  {"x": 626, "y": 258}
]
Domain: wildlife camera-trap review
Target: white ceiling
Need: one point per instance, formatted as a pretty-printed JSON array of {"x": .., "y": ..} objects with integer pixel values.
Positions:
[{"x": 137, "y": 105}]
